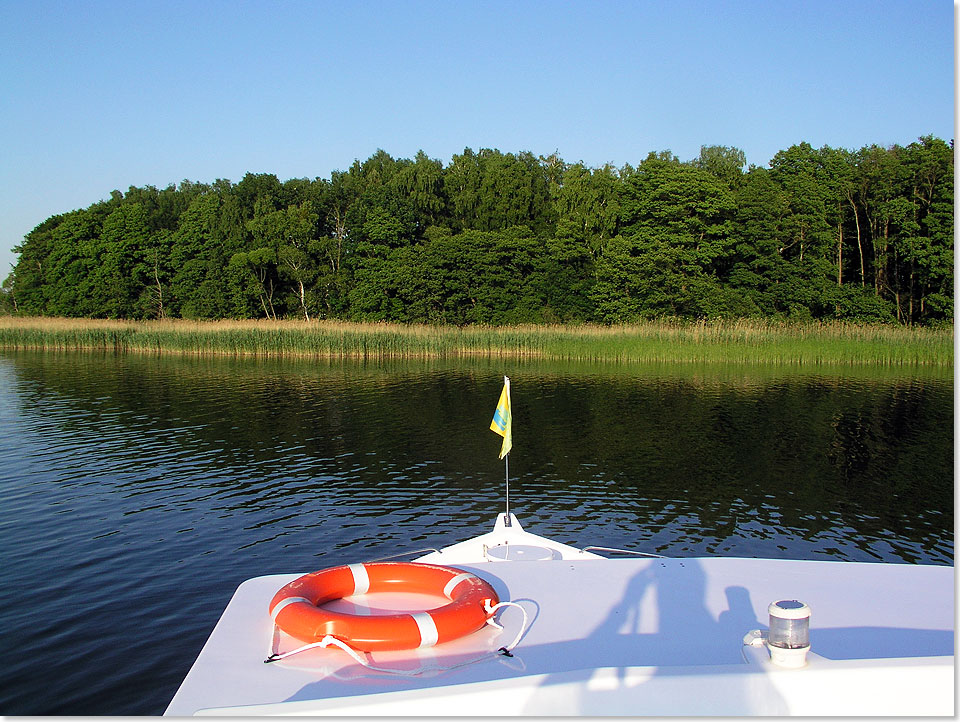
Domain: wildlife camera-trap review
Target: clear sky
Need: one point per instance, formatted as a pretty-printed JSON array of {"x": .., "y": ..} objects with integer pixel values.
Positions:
[{"x": 97, "y": 95}]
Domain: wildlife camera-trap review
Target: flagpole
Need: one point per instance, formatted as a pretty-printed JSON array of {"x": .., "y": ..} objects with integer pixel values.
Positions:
[
  {"x": 506, "y": 465},
  {"x": 502, "y": 424},
  {"x": 506, "y": 457}
]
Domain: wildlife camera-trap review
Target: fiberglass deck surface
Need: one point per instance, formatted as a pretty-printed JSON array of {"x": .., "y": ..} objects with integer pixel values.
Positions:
[{"x": 594, "y": 613}]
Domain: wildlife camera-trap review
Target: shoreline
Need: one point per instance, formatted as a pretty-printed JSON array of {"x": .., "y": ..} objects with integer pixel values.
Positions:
[{"x": 741, "y": 341}]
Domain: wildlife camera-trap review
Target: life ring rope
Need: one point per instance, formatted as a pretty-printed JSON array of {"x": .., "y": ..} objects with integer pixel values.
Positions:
[{"x": 360, "y": 658}]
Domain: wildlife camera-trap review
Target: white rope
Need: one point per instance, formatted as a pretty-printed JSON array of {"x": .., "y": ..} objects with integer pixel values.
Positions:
[
  {"x": 492, "y": 609},
  {"x": 331, "y": 641}
]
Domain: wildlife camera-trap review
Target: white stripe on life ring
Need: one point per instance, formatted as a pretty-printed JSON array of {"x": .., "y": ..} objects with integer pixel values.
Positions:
[
  {"x": 452, "y": 584},
  {"x": 428, "y": 628},
  {"x": 284, "y": 602},
  {"x": 361, "y": 580}
]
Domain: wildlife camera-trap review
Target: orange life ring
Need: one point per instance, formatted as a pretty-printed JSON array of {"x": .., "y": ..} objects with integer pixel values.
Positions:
[{"x": 295, "y": 608}]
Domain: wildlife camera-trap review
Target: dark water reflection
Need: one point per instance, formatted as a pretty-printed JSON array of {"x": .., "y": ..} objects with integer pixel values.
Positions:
[{"x": 138, "y": 492}]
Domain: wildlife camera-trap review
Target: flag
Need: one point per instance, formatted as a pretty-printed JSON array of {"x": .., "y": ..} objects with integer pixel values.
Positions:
[{"x": 503, "y": 418}]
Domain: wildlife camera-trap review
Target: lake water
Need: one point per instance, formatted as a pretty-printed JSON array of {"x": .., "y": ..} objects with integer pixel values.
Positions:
[{"x": 138, "y": 492}]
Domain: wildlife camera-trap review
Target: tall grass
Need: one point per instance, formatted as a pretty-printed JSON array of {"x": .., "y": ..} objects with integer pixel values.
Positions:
[{"x": 767, "y": 342}]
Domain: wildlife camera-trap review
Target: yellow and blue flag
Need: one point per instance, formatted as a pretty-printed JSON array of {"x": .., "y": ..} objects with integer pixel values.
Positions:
[{"x": 503, "y": 418}]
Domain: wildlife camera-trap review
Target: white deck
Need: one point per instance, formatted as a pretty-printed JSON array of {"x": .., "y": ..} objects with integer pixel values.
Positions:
[{"x": 616, "y": 636}]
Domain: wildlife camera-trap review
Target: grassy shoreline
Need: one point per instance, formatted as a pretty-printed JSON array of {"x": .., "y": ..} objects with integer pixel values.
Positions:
[{"x": 766, "y": 342}]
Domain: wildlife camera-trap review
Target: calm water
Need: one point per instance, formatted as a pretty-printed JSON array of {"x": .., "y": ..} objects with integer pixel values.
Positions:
[{"x": 139, "y": 492}]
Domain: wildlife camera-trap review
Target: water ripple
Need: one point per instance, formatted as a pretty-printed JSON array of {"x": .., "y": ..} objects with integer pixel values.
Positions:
[{"x": 150, "y": 488}]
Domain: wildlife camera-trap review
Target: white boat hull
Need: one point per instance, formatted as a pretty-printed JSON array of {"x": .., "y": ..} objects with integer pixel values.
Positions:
[{"x": 615, "y": 637}]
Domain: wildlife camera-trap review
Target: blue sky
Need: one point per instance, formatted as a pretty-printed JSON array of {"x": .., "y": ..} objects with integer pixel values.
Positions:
[{"x": 97, "y": 95}]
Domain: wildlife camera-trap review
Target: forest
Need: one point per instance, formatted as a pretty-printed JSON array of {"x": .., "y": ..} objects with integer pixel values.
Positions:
[{"x": 509, "y": 238}]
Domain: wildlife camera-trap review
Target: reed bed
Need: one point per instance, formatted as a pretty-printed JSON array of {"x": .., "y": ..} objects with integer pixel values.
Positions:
[{"x": 767, "y": 342}]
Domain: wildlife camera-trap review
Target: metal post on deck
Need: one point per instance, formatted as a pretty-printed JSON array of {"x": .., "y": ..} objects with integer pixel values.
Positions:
[{"x": 506, "y": 465}]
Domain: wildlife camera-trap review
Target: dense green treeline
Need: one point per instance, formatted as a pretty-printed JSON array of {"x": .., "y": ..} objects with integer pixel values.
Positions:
[{"x": 503, "y": 238}]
